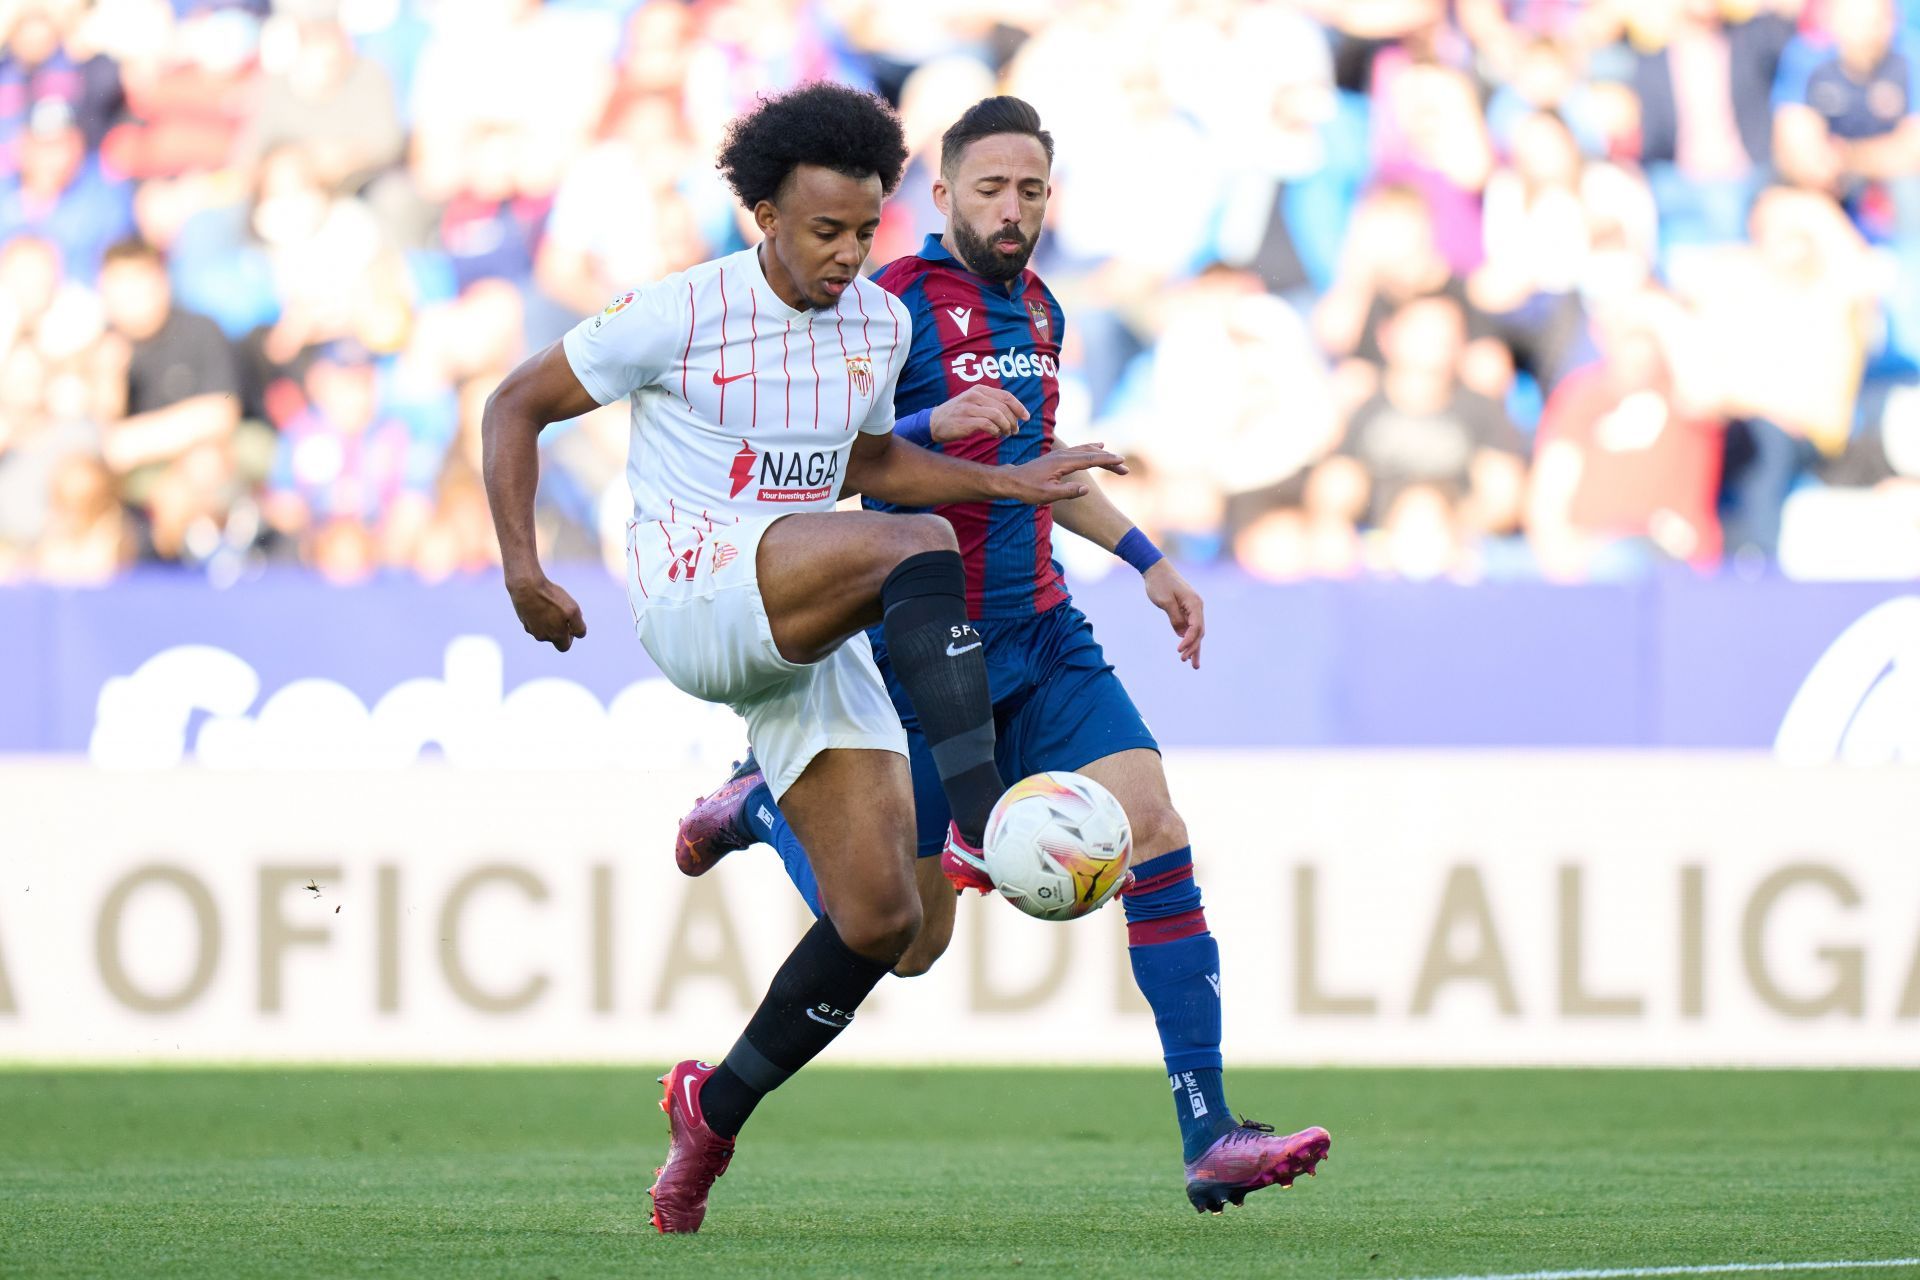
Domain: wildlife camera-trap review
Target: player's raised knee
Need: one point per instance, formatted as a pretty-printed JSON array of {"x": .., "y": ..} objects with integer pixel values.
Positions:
[
  {"x": 1157, "y": 829},
  {"x": 928, "y": 946},
  {"x": 881, "y": 931},
  {"x": 921, "y": 533},
  {"x": 914, "y": 964}
]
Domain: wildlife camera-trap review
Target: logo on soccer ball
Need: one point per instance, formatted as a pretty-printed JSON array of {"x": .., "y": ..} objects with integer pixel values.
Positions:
[
  {"x": 1094, "y": 877},
  {"x": 1041, "y": 321},
  {"x": 741, "y": 473},
  {"x": 860, "y": 372}
]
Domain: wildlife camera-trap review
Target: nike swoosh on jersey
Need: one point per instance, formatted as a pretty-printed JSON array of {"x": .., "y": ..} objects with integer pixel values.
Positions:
[{"x": 719, "y": 381}]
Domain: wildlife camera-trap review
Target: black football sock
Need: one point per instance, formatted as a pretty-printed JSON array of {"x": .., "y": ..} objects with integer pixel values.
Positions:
[
  {"x": 936, "y": 654},
  {"x": 811, "y": 1001}
]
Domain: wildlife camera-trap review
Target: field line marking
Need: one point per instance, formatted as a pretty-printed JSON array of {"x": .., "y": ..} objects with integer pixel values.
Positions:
[{"x": 1712, "y": 1269}]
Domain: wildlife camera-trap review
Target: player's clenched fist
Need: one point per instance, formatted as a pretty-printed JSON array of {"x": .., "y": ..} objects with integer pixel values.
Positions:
[
  {"x": 978, "y": 409},
  {"x": 1049, "y": 477},
  {"x": 547, "y": 612}
]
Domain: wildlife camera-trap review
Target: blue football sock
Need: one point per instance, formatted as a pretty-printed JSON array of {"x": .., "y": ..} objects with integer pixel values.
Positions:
[
  {"x": 763, "y": 815},
  {"x": 1200, "y": 1105},
  {"x": 769, "y": 825},
  {"x": 1176, "y": 964}
]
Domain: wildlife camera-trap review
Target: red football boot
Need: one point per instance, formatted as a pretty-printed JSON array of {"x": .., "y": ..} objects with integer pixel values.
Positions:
[
  {"x": 964, "y": 866},
  {"x": 696, "y": 1155}
]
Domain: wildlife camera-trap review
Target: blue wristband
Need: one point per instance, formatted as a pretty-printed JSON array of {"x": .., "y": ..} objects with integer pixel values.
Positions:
[
  {"x": 917, "y": 428},
  {"x": 1137, "y": 549}
]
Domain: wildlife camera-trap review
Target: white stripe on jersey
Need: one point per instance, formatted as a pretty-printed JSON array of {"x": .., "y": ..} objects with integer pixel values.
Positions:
[{"x": 741, "y": 405}]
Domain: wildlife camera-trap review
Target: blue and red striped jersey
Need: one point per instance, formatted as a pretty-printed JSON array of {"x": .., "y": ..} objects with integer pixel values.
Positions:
[{"x": 968, "y": 330}]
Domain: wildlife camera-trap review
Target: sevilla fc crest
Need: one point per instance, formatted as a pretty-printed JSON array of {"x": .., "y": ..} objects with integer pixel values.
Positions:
[
  {"x": 723, "y": 555},
  {"x": 860, "y": 373},
  {"x": 1041, "y": 321}
]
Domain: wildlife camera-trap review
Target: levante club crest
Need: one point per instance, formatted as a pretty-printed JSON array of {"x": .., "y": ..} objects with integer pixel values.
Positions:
[
  {"x": 860, "y": 373},
  {"x": 1041, "y": 321}
]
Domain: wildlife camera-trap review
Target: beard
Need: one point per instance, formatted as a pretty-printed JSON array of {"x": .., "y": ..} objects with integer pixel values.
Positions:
[{"x": 982, "y": 254}]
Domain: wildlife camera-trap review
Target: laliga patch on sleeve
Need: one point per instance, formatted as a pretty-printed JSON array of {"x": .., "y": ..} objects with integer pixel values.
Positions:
[{"x": 613, "y": 308}]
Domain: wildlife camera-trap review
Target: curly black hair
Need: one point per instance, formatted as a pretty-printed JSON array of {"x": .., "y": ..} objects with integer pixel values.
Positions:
[{"x": 826, "y": 124}]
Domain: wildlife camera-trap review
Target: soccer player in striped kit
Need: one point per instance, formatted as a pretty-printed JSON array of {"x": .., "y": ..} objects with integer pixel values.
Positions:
[
  {"x": 982, "y": 320},
  {"x": 759, "y": 384}
]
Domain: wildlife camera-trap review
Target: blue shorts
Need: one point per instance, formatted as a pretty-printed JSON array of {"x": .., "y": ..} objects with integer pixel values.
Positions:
[{"x": 1056, "y": 705}]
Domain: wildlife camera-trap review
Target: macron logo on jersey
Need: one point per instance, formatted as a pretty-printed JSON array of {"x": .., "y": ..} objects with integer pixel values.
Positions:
[
  {"x": 962, "y": 318},
  {"x": 970, "y": 366}
]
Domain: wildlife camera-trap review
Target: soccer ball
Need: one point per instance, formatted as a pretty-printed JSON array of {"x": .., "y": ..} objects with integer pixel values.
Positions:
[{"x": 1058, "y": 845}]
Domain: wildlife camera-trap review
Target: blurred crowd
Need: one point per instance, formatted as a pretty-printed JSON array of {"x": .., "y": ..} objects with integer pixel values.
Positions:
[{"x": 1423, "y": 288}]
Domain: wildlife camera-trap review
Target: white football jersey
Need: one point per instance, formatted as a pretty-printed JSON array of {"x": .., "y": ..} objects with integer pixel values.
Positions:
[{"x": 742, "y": 406}]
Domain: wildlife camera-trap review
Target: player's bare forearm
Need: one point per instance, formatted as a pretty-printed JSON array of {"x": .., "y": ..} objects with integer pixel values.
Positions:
[
  {"x": 542, "y": 390},
  {"x": 511, "y": 462},
  {"x": 889, "y": 469},
  {"x": 1094, "y": 517}
]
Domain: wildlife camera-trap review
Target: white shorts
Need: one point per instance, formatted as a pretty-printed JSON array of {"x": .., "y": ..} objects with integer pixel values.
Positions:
[{"x": 697, "y": 609}]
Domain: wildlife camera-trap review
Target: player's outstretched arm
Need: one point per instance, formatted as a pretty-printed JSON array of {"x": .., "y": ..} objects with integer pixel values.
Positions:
[
  {"x": 889, "y": 469},
  {"x": 543, "y": 389},
  {"x": 1094, "y": 517}
]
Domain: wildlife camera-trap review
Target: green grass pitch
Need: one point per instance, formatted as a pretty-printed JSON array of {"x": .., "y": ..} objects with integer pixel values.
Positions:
[{"x": 541, "y": 1172}]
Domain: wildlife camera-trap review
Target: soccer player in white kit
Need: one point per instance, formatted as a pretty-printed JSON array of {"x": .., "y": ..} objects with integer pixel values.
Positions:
[{"x": 762, "y": 388}]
